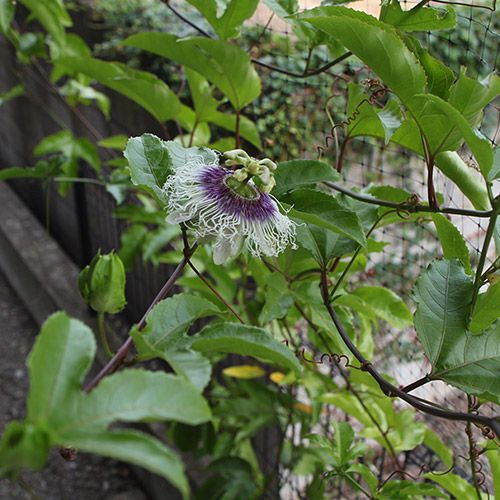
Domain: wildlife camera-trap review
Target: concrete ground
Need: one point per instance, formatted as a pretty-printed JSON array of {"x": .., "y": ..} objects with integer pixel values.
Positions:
[{"x": 88, "y": 477}]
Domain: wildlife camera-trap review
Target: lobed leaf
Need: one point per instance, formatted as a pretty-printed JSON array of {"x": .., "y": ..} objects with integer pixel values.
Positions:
[{"x": 228, "y": 67}]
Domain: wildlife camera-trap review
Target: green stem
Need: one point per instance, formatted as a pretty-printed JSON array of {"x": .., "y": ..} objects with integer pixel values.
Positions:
[
  {"x": 101, "y": 327},
  {"x": 191, "y": 137},
  {"x": 484, "y": 253},
  {"x": 356, "y": 253},
  {"x": 84, "y": 180},
  {"x": 237, "y": 139}
]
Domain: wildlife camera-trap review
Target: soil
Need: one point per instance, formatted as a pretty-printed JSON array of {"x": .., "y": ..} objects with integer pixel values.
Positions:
[{"x": 89, "y": 477}]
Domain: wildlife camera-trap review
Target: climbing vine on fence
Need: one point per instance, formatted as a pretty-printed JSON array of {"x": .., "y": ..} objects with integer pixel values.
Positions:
[{"x": 264, "y": 258}]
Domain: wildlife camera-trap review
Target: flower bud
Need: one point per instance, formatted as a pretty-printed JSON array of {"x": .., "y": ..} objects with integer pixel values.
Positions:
[{"x": 102, "y": 283}]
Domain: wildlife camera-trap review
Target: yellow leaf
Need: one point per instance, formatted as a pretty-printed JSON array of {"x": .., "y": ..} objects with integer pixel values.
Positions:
[
  {"x": 277, "y": 377},
  {"x": 244, "y": 371},
  {"x": 303, "y": 407}
]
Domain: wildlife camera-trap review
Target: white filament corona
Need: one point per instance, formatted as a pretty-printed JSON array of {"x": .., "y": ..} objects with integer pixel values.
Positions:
[{"x": 198, "y": 195}]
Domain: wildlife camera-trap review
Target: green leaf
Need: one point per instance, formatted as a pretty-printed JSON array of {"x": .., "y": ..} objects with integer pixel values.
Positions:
[
  {"x": 390, "y": 117},
  {"x": 283, "y": 8},
  {"x": 404, "y": 432},
  {"x": 452, "y": 242},
  {"x": 439, "y": 76},
  {"x": 487, "y": 309},
  {"x": 228, "y": 67},
  {"x": 343, "y": 438},
  {"x": 443, "y": 294},
  {"x": 473, "y": 364},
  {"x": 201, "y": 92},
  {"x": 377, "y": 44},
  {"x": 168, "y": 321},
  {"x": 77, "y": 93},
  {"x": 454, "y": 484},
  {"x": 495, "y": 169},
  {"x": 469, "y": 96},
  {"x": 52, "y": 16},
  {"x": 23, "y": 446},
  {"x": 150, "y": 162},
  {"x": 142, "y": 87},
  {"x": 278, "y": 298},
  {"x": 418, "y": 18},
  {"x": 228, "y": 23},
  {"x": 464, "y": 177},
  {"x": 324, "y": 244},
  {"x": 7, "y": 10},
  {"x": 385, "y": 304},
  {"x": 493, "y": 454},
  {"x": 117, "y": 142},
  {"x": 136, "y": 448},
  {"x": 131, "y": 242},
  {"x": 62, "y": 354},
  {"x": 470, "y": 362},
  {"x": 16, "y": 91},
  {"x": 434, "y": 442},
  {"x": 246, "y": 340},
  {"x": 42, "y": 170},
  {"x": 134, "y": 395},
  {"x": 325, "y": 211},
  {"x": 56, "y": 404},
  {"x": 444, "y": 126},
  {"x": 292, "y": 174},
  {"x": 191, "y": 365},
  {"x": 408, "y": 490},
  {"x": 73, "y": 148}
]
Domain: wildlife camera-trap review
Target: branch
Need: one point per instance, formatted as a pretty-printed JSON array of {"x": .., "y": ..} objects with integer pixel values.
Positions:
[
  {"x": 215, "y": 292},
  {"x": 418, "y": 383},
  {"x": 305, "y": 74},
  {"x": 408, "y": 207},
  {"x": 122, "y": 352},
  {"x": 391, "y": 390}
]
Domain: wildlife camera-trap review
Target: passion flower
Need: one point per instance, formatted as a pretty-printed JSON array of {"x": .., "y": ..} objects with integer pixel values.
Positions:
[{"x": 227, "y": 207}]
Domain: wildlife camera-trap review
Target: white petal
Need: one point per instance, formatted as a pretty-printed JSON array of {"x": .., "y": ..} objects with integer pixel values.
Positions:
[
  {"x": 222, "y": 251},
  {"x": 237, "y": 244},
  {"x": 178, "y": 216}
]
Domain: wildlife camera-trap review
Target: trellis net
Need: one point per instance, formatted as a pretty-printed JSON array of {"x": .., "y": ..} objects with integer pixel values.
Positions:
[{"x": 307, "y": 132}]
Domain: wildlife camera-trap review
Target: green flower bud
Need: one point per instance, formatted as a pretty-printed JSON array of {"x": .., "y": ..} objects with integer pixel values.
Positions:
[{"x": 102, "y": 283}]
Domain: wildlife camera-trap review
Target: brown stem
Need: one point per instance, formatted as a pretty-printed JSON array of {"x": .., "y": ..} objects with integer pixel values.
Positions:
[
  {"x": 472, "y": 452},
  {"x": 304, "y": 74},
  {"x": 407, "y": 207},
  {"x": 429, "y": 161},
  {"x": 418, "y": 383},
  {"x": 215, "y": 292},
  {"x": 393, "y": 391},
  {"x": 383, "y": 433}
]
